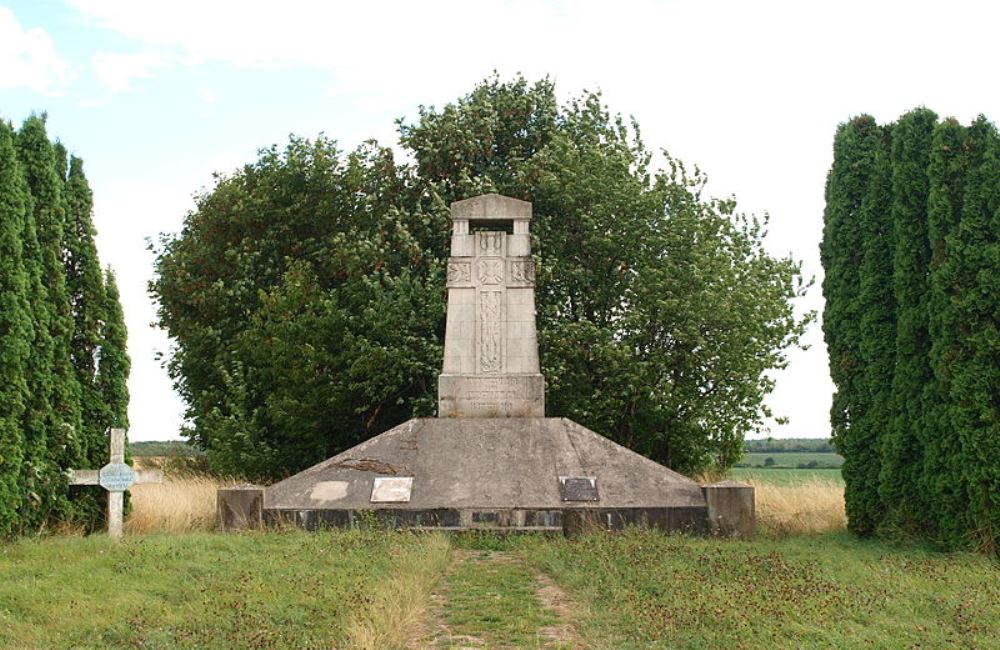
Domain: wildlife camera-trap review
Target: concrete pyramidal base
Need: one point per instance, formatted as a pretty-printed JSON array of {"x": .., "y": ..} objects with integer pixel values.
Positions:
[{"x": 512, "y": 473}]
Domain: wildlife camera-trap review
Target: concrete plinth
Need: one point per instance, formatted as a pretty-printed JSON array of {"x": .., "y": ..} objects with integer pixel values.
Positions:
[
  {"x": 240, "y": 508},
  {"x": 730, "y": 509},
  {"x": 499, "y": 473}
]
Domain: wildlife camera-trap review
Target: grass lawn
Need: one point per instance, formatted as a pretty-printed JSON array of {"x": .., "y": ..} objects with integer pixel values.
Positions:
[
  {"x": 200, "y": 590},
  {"x": 641, "y": 590},
  {"x": 352, "y": 589}
]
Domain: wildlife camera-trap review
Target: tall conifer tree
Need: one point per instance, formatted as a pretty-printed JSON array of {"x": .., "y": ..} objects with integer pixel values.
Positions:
[
  {"x": 15, "y": 330},
  {"x": 61, "y": 160},
  {"x": 967, "y": 355},
  {"x": 58, "y": 446},
  {"x": 902, "y": 444},
  {"x": 855, "y": 147},
  {"x": 114, "y": 367},
  {"x": 877, "y": 324},
  {"x": 85, "y": 287},
  {"x": 949, "y": 160}
]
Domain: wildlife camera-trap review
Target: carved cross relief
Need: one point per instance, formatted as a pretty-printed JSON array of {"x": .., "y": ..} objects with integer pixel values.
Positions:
[{"x": 489, "y": 283}]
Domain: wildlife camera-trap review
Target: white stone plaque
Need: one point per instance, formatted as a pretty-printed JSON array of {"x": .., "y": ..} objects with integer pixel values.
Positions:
[
  {"x": 392, "y": 489},
  {"x": 117, "y": 477}
]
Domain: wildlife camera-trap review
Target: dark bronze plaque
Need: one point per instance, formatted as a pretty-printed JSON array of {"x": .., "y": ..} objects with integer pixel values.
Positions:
[{"x": 578, "y": 488}]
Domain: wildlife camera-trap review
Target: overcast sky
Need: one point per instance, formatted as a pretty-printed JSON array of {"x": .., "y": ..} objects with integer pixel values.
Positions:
[{"x": 155, "y": 95}]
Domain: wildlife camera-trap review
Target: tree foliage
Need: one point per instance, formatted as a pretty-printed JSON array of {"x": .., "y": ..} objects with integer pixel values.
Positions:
[
  {"x": 52, "y": 309},
  {"x": 306, "y": 299},
  {"x": 57, "y": 442},
  {"x": 15, "y": 329},
  {"x": 935, "y": 432},
  {"x": 906, "y": 431},
  {"x": 857, "y": 146},
  {"x": 85, "y": 290}
]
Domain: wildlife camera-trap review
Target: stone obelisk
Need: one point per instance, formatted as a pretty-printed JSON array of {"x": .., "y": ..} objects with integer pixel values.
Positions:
[{"x": 491, "y": 345}]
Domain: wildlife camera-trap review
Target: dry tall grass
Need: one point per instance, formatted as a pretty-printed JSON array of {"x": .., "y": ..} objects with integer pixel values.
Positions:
[
  {"x": 813, "y": 506},
  {"x": 187, "y": 503},
  {"x": 399, "y": 607},
  {"x": 178, "y": 505}
]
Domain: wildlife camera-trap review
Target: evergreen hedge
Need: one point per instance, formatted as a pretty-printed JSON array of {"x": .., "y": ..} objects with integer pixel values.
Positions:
[
  {"x": 62, "y": 337},
  {"x": 912, "y": 324}
]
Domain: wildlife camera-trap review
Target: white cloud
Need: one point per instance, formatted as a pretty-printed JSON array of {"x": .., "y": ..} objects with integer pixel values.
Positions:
[
  {"x": 28, "y": 59},
  {"x": 116, "y": 70}
]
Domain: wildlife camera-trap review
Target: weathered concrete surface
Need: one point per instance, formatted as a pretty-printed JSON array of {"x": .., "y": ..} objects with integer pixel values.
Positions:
[
  {"x": 501, "y": 472},
  {"x": 239, "y": 508},
  {"x": 731, "y": 509}
]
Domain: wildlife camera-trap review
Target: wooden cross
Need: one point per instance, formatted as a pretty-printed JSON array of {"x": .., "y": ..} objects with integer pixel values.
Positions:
[{"x": 115, "y": 477}]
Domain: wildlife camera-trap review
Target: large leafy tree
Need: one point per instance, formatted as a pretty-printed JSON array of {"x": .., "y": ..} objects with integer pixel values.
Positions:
[
  {"x": 307, "y": 315},
  {"x": 306, "y": 298},
  {"x": 15, "y": 329}
]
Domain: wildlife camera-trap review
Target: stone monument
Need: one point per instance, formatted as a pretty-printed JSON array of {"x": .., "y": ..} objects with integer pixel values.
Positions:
[
  {"x": 490, "y": 345},
  {"x": 491, "y": 458}
]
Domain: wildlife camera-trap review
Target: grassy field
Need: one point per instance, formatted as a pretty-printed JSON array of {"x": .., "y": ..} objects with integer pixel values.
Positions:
[
  {"x": 284, "y": 589},
  {"x": 786, "y": 476},
  {"x": 640, "y": 590},
  {"x": 351, "y": 589},
  {"x": 803, "y": 583}
]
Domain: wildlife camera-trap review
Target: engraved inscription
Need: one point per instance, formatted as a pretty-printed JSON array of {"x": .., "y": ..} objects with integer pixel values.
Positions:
[
  {"x": 490, "y": 303},
  {"x": 522, "y": 271},
  {"x": 510, "y": 388},
  {"x": 490, "y": 243},
  {"x": 490, "y": 271},
  {"x": 459, "y": 271}
]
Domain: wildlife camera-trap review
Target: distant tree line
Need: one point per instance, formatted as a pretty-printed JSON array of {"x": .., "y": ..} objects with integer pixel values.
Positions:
[
  {"x": 779, "y": 445},
  {"x": 306, "y": 295},
  {"x": 163, "y": 448},
  {"x": 911, "y": 249},
  {"x": 63, "y": 360}
]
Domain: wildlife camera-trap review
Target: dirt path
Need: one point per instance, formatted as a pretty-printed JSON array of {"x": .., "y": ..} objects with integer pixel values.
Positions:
[{"x": 490, "y": 599}]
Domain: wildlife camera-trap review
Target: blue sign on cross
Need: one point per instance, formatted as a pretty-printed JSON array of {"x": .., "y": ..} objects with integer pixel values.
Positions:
[{"x": 116, "y": 477}]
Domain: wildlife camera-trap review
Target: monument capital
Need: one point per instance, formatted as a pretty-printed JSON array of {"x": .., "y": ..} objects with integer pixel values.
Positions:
[{"x": 490, "y": 207}]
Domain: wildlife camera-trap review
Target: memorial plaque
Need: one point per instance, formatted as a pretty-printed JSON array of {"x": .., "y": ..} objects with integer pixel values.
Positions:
[
  {"x": 116, "y": 477},
  {"x": 392, "y": 489},
  {"x": 578, "y": 488}
]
